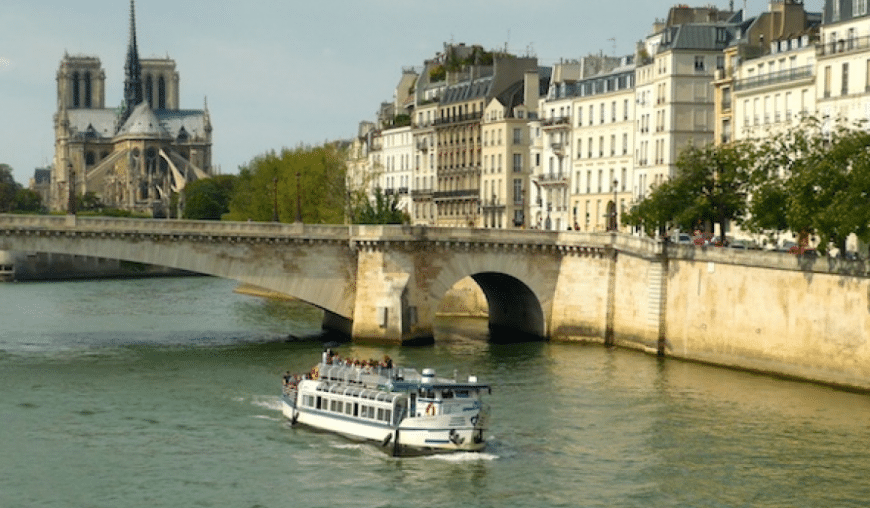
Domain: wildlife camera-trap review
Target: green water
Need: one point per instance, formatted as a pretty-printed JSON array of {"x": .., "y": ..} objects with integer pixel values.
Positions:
[{"x": 164, "y": 392}]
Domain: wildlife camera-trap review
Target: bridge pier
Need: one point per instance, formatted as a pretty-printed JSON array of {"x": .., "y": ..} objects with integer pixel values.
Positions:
[{"x": 388, "y": 309}]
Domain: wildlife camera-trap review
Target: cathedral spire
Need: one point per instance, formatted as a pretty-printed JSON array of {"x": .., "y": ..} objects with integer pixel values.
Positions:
[{"x": 132, "y": 71}]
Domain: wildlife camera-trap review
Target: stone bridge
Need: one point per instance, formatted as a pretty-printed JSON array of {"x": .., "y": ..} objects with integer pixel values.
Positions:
[
  {"x": 768, "y": 312},
  {"x": 376, "y": 283}
]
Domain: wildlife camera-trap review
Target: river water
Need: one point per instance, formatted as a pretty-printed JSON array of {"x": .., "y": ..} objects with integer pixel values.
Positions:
[{"x": 164, "y": 393}]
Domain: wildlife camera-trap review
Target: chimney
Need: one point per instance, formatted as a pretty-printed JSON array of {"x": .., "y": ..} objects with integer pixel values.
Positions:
[{"x": 530, "y": 94}]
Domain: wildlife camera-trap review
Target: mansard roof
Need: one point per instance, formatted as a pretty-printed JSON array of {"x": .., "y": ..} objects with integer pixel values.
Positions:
[
  {"x": 467, "y": 90},
  {"x": 698, "y": 36}
]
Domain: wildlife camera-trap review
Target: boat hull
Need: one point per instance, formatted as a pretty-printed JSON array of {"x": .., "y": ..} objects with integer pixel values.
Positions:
[{"x": 427, "y": 434}]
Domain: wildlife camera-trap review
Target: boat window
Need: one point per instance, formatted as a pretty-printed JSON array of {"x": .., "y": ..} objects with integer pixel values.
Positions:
[
  {"x": 463, "y": 394},
  {"x": 447, "y": 394},
  {"x": 348, "y": 408},
  {"x": 380, "y": 413}
]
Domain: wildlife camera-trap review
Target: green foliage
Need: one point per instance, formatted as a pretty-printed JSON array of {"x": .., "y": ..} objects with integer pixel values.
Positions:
[
  {"x": 710, "y": 186},
  {"x": 382, "y": 209},
  {"x": 272, "y": 178},
  {"x": 27, "y": 200},
  {"x": 8, "y": 189},
  {"x": 814, "y": 180},
  {"x": 209, "y": 198}
]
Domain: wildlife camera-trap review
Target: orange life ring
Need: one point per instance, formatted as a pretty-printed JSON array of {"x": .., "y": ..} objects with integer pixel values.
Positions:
[{"x": 430, "y": 410}]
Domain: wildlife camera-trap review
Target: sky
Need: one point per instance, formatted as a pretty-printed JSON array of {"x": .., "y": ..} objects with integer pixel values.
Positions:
[{"x": 279, "y": 73}]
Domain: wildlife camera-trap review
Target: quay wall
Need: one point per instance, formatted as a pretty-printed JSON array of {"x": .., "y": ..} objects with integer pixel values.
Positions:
[{"x": 772, "y": 313}]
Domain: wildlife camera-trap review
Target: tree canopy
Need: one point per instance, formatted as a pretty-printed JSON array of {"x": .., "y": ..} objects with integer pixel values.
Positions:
[
  {"x": 209, "y": 198},
  {"x": 266, "y": 188},
  {"x": 14, "y": 197},
  {"x": 710, "y": 186}
]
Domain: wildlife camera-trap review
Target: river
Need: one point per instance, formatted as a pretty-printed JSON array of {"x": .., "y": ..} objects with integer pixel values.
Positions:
[{"x": 164, "y": 393}]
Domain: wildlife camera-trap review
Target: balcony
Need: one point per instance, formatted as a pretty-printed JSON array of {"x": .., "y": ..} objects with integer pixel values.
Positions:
[
  {"x": 840, "y": 46},
  {"x": 774, "y": 78},
  {"x": 457, "y": 194},
  {"x": 553, "y": 178},
  {"x": 469, "y": 117},
  {"x": 556, "y": 122}
]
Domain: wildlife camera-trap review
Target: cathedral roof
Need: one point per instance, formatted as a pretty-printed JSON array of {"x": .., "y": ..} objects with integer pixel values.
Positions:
[
  {"x": 143, "y": 122},
  {"x": 192, "y": 122},
  {"x": 98, "y": 123}
]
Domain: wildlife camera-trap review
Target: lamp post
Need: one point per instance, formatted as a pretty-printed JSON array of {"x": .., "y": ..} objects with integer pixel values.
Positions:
[
  {"x": 71, "y": 195},
  {"x": 298, "y": 199},
  {"x": 275, "y": 198},
  {"x": 614, "y": 224}
]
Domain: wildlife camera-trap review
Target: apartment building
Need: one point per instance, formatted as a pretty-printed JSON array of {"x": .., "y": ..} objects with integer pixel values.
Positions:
[
  {"x": 603, "y": 131},
  {"x": 674, "y": 88},
  {"x": 458, "y": 131},
  {"x": 843, "y": 80},
  {"x": 552, "y": 180},
  {"x": 505, "y": 177},
  {"x": 768, "y": 82}
]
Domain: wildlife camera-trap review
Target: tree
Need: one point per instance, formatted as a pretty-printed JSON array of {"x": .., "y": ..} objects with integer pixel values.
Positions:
[
  {"x": 8, "y": 189},
  {"x": 814, "y": 179},
  {"x": 310, "y": 178},
  {"x": 27, "y": 200},
  {"x": 382, "y": 209},
  {"x": 709, "y": 187},
  {"x": 209, "y": 198}
]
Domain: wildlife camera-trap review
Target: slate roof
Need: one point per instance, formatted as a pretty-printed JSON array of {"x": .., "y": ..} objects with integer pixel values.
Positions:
[
  {"x": 99, "y": 123},
  {"x": 697, "y": 36},
  {"x": 467, "y": 90}
]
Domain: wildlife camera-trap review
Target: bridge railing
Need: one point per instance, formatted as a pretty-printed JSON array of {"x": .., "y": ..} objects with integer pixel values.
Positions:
[{"x": 172, "y": 227}]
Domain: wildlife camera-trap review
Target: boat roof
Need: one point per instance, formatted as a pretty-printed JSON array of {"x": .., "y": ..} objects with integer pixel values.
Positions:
[{"x": 395, "y": 379}]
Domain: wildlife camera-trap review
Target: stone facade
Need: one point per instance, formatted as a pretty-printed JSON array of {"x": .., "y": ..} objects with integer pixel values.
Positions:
[{"x": 134, "y": 157}]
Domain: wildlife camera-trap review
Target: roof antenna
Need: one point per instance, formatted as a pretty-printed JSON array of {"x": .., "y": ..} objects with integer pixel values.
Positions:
[{"x": 613, "y": 39}]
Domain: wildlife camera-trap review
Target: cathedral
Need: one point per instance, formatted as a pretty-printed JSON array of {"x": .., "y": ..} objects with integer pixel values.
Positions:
[{"x": 133, "y": 157}]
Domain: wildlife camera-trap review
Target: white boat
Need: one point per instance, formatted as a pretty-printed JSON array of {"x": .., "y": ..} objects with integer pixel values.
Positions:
[{"x": 405, "y": 411}]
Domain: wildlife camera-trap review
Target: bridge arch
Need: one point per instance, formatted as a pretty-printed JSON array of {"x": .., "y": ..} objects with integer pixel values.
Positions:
[
  {"x": 515, "y": 311},
  {"x": 519, "y": 288}
]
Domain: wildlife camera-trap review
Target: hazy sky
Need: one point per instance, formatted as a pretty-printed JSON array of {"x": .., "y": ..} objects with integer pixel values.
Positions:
[{"x": 278, "y": 73}]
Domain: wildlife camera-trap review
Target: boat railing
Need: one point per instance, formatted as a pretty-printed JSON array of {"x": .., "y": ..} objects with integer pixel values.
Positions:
[{"x": 369, "y": 376}]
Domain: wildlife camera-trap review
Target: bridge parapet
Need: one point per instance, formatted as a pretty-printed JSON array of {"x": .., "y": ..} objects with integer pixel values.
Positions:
[{"x": 24, "y": 224}]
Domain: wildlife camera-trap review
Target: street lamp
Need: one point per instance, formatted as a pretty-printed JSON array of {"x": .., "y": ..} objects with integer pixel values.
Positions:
[
  {"x": 613, "y": 222},
  {"x": 298, "y": 200},
  {"x": 71, "y": 196},
  {"x": 275, "y": 198}
]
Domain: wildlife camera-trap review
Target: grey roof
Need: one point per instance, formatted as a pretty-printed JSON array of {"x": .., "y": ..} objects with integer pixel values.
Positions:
[
  {"x": 164, "y": 123},
  {"x": 467, "y": 90},
  {"x": 99, "y": 123},
  {"x": 143, "y": 122},
  {"x": 698, "y": 36},
  {"x": 193, "y": 121}
]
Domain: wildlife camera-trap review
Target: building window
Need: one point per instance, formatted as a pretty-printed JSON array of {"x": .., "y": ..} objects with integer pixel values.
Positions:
[
  {"x": 845, "y": 83},
  {"x": 518, "y": 136},
  {"x": 518, "y": 191},
  {"x": 699, "y": 64},
  {"x": 518, "y": 163},
  {"x": 827, "y": 79}
]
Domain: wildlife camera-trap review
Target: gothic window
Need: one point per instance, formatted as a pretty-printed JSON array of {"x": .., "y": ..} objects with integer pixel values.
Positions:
[
  {"x": 149, "y": 90},
  {"x": 87, "y": 89},
  {"x": 89, "y": 158},
  {"x": 75, "y": 89},
  {"x": 161, "y": 93}
]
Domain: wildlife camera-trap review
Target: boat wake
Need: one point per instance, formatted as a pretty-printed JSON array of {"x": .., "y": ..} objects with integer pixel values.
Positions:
[
  {"x": 269, "y": 402},
  {"x": 463, "y": 457}
]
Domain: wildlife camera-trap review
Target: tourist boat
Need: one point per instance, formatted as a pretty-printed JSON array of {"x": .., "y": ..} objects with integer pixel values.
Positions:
[{"x": 405, "y": 411}]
